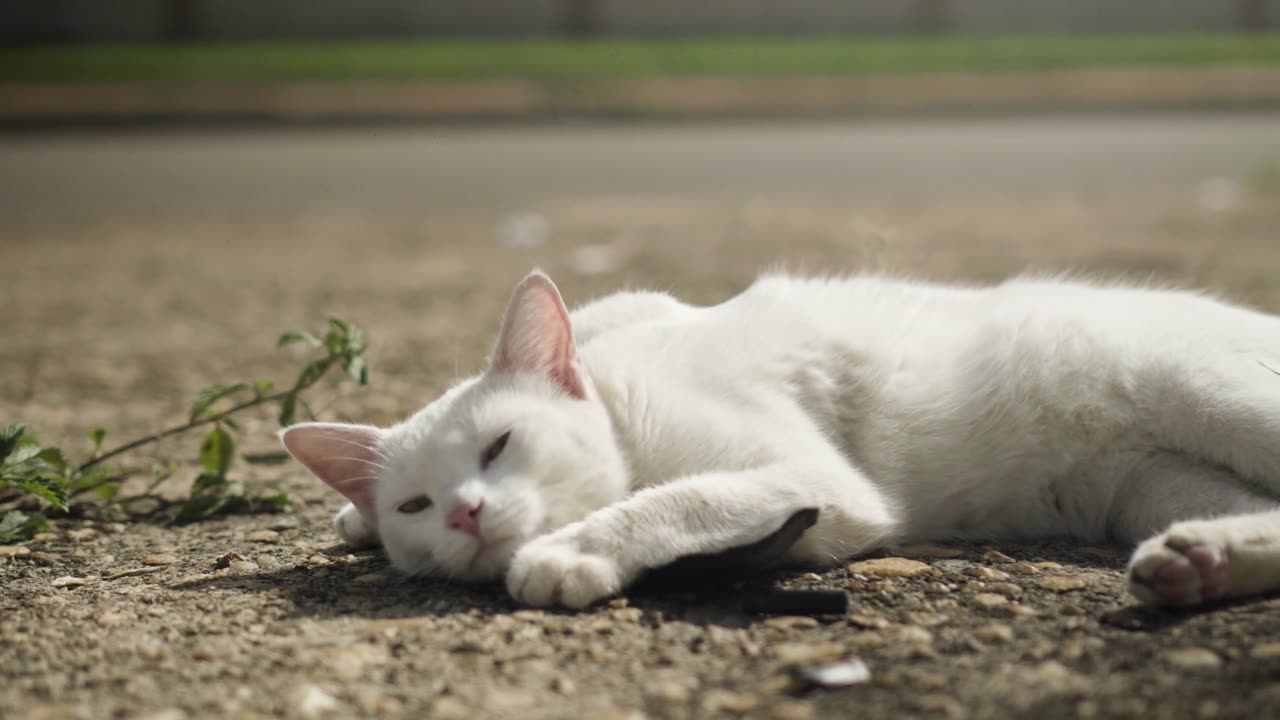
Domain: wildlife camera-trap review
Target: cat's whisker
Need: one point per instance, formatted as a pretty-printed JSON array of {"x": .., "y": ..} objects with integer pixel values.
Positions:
[
  {"x": 366, "y": 461},
  {"x": 373, "y": 449}
]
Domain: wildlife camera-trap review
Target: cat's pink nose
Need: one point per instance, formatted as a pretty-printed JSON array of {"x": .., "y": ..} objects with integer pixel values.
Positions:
[{"x": 465, "y": 516}]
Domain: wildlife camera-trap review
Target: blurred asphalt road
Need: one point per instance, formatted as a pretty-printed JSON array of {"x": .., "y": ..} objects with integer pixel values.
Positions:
[{"x": 171, "y": 174}]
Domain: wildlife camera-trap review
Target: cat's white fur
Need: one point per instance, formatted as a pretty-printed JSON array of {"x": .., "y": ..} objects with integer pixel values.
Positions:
[{"x": 644, "y": 429}]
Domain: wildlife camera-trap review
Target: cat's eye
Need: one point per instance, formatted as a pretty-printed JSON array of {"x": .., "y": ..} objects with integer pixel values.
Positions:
[
  {"x": 492, "y": 452},
  {"x": 415, "y": 505}
]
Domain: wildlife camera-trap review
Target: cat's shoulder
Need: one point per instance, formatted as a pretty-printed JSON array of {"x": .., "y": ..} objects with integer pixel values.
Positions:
[{"x": 626, "y": 309}]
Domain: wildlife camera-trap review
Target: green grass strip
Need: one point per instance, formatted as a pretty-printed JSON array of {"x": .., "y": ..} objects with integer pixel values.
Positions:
[{"x": 561, "y": 59}]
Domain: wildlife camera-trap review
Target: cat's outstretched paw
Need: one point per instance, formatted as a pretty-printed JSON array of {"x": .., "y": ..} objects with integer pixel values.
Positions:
[
  {"x": 353, "y": 529},
  {"x": 1186, "y": 565},
  {"x": 549, "y": 571}
]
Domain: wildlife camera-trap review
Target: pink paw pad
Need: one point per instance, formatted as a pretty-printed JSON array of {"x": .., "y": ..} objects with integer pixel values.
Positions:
[{"x": 1196, "y": 574}]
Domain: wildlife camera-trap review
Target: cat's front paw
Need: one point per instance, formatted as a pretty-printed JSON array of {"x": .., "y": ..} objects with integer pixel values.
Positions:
[
  {"x": 1186, "y": 565},
  {"x": 550, "y": 571},
  {"x": 352, "y": 527}
]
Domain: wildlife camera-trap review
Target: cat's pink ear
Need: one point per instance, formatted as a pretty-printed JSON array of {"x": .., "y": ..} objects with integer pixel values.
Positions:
[
  {"x": 537, "y": 337},
  {"x": 346, "y": 457}
]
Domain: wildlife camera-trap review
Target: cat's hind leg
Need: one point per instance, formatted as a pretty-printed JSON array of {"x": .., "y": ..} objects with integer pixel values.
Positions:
[
  {"x": 1200, "y": 561},
  {"x": 1206, "y": 534}
]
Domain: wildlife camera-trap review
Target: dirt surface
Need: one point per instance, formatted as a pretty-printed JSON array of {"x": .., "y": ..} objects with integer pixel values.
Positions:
[{"x": 117, "y": 317}]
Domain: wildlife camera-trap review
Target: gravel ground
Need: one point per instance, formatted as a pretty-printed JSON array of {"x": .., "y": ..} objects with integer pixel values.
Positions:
[{"x": 118, "y": 322}]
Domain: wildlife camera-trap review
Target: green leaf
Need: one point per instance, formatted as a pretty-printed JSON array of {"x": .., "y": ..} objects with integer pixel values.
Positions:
[
  {"x": 200, "y": 507},
  {"x": 217, "y": 451},
  {"x": 9, "y": 438},
  {"x": 107, "y": 491},
  {"x": 312, "y": 372},
  {"x": 25, "y": 451},
  {"x": 96, "y": 436},
  {"x": 10, "y": 525},
  {"x": 288, "y": 410},
  {"x": 357, "y": 369},
  {"x": 272, "y": 503},
  {"x": 209, "y": 483},
  {"x": 295, "y": 336},
  {"x": 16, "y": 526},
  {"x": 213, "y": 394},
  {"x": 46, "y": 489},
  {"x": 54, "y": 458},
  {"x": 262, "y": 387},
  {"x": 342, "y": 326}
]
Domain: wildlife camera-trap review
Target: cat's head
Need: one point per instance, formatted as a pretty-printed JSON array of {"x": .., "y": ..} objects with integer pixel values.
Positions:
[{"x": 522, "y": 449}]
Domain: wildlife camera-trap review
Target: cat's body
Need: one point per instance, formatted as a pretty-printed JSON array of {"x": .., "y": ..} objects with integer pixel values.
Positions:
[{"x": 903, "y": 411}]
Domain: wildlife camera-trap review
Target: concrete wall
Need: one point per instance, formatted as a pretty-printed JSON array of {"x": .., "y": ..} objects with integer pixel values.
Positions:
[{"x": 158, "y": 20}]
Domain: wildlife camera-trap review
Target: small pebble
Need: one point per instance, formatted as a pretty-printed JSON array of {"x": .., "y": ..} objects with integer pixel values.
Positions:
[
  {"x": 792, "y": 710},
  {"x": 995, "y": 632},
  {"x": 370, "y": 578},
  {"x": 807, "y": 653},
  {"x": 986, "y": 573},
  {"x": 160, "y": 559},
  {"x": 451, "y": 708},
  {"x": 1192, "y": 658},
  {"x": 891, "y": 568},
  {"x": 1004, "y": 588},
  {"x": 716, "y": 701},
  {"x": 1024, "y": 568},
  {"x": 264, "y": 536},
  {"x": 997, "y": 557},
  {"x": 1048, "y": 565},
  {"x": 943, "y": 705},
  {"x": 628, "y": 614},
  {"x": 792, "y": 622},
  {"x": 911, "y": 634},
  {"x": 1061, "y": 583},
  {"x": 14, "y": 550},
  {"x": 1265, "y": 651},
  {"x": 243, "y": 566},
  {"x": 668, "y": 691},
  {"x": 1019, "y": 610},
  {"x": 990, "y": 600}
]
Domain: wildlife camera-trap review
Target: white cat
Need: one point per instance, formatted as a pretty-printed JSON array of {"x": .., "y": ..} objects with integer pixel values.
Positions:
[{"x": 639, "y": 430}]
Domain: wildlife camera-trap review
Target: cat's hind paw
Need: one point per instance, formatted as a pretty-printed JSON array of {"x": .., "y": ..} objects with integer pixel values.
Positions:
[
  {"x": 1182, "y": 566},
  {"x": 548, "y": 572}
]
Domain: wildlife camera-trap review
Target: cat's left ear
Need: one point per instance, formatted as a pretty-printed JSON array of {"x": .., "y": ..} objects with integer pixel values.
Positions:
[{"x": 537, "y": 336}]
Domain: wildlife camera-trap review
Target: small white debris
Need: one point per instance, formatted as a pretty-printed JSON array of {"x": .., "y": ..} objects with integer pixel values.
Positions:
[
  {"x": 839, "y": 674},
  {"x": 524, "y": 230},
  {"x": 595, "y": 259},
  {"x": 1219, "y": 194},
  {"x": 67, "y": 581},
  {"x": 311, "y": 701}
]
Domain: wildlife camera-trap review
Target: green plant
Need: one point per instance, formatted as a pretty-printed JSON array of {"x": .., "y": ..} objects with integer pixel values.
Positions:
[{"x": 30, "y": 472}]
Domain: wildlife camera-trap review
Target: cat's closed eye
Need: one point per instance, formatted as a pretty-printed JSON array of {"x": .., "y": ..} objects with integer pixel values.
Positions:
[
  {"x": 492, "y": 452},
  {"x": 414, "y": 505}
]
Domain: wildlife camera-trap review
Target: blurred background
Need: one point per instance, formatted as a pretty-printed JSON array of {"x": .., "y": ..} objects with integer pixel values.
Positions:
[{"x": 181, "y": 179}]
